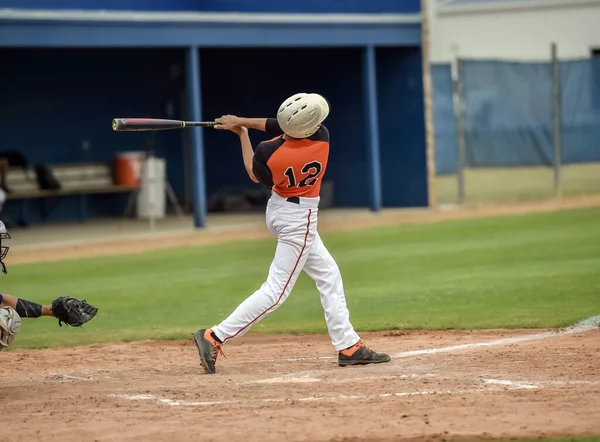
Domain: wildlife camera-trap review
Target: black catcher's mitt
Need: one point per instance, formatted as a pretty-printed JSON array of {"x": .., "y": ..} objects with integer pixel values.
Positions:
[{"x": 72, "y": 311}]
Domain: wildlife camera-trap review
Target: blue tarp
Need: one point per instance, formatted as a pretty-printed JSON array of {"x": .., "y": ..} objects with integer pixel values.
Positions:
[
  {"x": 443, "y": 119},
  {"x": 581, "y": 110},
  {"x": 508, "y": 113}
]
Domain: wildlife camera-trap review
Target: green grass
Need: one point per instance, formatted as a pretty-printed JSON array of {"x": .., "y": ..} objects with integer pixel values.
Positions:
[
  {"x": 500, "y": 185},
  {"x": 540, "y": 270}
]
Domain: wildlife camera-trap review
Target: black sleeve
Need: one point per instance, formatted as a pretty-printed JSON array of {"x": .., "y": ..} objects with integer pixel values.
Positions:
[
  {"x": 259, "y": 166},
  {"x": 321, "y": 135},
  {"x": 272, "y": 126}
]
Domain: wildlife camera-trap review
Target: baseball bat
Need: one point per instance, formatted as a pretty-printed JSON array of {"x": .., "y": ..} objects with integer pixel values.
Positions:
[{"x": 145, "y": 124}]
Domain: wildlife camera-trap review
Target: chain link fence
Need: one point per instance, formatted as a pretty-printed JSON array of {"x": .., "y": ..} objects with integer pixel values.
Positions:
[{"x": 516, "y": 131}]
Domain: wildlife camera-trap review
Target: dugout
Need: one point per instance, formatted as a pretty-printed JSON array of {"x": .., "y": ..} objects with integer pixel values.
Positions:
[{"x": 76, "y": 71}]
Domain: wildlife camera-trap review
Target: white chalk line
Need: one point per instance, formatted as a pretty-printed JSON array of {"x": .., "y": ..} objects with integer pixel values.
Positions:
[
  {"x": 60, "y": 377},
  {"x": 567, "y": 383},
  {"x": 307, "y": 380},
  {"x": 541, "y": 384},
  {"x": 303, "y": 377},
  {"x": 172, "y": 402},
  {"x": 338, "y": 398},
  {"x": 507, "y": 384},
  {"x": 512, "y": 384},
  {"x": 582, "y": 327}
]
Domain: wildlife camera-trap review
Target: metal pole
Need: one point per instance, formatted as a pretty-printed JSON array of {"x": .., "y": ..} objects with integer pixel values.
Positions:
[
  {"x": 370, "y": 86},
  {"x": 197, "y": 142},
  {"x": 428, "y": 101},
  {"x": 556, "y": 120},
  {"x": 460, "y": 129},
  {"x": 150, "y": 171}
]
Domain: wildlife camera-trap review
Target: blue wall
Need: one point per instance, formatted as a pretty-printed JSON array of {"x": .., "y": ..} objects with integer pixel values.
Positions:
[
  {"x": 254, "y": 83},
  {"x": 89, "y": 87},
  {"x": 72, "y": 95},
  {"x": 313, "y": 6},
  {"x": 338, "y": 76},
  {"x": 402, "y": 127}
]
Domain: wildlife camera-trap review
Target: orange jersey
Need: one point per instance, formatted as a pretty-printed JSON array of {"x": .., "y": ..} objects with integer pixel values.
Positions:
[{"x": 292, "y": 167}]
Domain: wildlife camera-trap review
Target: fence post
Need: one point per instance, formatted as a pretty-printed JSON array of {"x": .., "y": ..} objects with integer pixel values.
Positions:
[
  {"x": 556, "y": 121},
  {"x": 428, "y": 104},
  {"x": 460, "y": 127}
]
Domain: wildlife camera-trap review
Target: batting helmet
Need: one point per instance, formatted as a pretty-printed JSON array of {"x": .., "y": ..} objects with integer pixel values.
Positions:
[{"x": 301, "y": 114}]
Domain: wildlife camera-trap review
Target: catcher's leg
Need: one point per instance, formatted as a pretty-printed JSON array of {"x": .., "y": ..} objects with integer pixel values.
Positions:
[{"x": 10, "y": 324}]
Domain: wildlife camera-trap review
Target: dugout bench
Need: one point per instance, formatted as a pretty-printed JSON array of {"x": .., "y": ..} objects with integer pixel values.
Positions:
[{"x": 75, "y": 180}]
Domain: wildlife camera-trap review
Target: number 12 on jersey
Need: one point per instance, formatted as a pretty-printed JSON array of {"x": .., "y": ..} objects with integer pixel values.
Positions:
[{"x": 310, "y": 172}]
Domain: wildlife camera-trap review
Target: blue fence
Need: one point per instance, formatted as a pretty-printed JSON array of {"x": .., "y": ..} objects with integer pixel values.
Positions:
[{"x": 508, "y": 113}]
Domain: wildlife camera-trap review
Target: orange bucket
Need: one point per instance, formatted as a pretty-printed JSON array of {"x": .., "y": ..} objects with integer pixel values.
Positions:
[{"x": 127, "y": 168}]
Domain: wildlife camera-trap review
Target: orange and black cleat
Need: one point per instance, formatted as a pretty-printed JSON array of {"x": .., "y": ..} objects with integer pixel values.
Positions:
[
  {"x": 360, "y": 354},
  {"x": 208, "y": 348}
]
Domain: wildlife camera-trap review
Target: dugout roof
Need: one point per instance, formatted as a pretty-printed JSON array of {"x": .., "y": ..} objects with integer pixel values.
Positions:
[{"x": 39, "y": 28}]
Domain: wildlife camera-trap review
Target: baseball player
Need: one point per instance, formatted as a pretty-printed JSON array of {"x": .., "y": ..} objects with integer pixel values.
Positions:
[
  {"x": 292, "y": 164},
  {"x": 66, "y": 309}
]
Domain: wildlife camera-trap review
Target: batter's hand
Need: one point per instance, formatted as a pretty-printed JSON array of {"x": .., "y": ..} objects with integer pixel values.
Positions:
[{"x": 228, "y": 122}]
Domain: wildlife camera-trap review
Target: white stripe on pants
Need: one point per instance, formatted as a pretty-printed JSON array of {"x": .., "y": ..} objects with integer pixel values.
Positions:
[{"x": 299, "y": 247}]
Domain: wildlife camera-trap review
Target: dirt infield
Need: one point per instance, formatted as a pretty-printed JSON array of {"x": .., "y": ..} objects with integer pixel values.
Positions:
[
  {"x": 289, "y": 388},
  {"x": 440, "y": 385}
]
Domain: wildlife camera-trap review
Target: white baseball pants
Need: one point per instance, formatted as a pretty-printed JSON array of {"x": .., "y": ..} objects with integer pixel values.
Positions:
[{"x": 299, "y": 247}]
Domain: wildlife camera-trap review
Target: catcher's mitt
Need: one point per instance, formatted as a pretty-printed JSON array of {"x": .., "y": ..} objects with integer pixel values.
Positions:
[{"x": 72, "y": 311}]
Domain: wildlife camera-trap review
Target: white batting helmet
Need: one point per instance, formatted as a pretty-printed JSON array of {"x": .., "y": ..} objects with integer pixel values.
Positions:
[{"x": 300, "y": 115}]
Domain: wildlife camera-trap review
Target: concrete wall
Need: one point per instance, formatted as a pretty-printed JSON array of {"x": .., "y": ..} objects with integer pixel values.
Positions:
[{"x": 515, "y": 30}]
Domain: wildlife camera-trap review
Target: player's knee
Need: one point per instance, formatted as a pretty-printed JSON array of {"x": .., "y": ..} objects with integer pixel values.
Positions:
[
  {"x": 333, "y": 267},
  {"x": 269, "y": 291},
  {"x": 276, "y": 293},
  {"x": 10, "y": 324}
]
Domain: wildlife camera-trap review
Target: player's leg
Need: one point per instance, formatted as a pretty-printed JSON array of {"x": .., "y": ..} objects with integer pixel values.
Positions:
[
  {"x": 323, "y": 269},
  {"x": 283, "y": 273},
  {"x": 295, "y": 228},
  {"x": 10, "y": 324}
]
